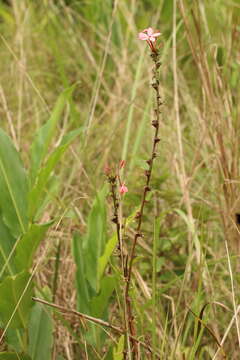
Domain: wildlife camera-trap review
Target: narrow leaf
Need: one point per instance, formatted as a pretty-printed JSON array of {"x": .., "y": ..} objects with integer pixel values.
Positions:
[
  {"x": 13, "y": 187},
  {"x": 118, "y": 351},
  {"x": 83, "y": 297},
  {"x": 103, "y": 260},
  {"x": 45, "y": 134},
  {"x": 40, "y": 333},
  {"x": 96, "y": 238}
]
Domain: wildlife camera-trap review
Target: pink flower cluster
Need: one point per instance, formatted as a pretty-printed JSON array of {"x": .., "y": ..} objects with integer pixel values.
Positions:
[{"x": 150, "y": 36}]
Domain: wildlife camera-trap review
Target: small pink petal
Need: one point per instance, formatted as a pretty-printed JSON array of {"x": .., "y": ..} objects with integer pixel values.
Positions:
[
  {"x": 142, "y": 36},
  {"x": 150, "y": 31},
  {"x": 151, "y": 38},
  {"x": 123, "y": 189},
  {"x": 156, "y": 34}
]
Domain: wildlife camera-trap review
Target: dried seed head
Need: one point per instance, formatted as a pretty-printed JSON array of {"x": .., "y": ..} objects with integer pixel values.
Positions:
[{"x": 155, "y": 123}]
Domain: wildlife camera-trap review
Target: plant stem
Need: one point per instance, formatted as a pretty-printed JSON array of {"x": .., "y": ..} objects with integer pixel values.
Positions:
[
  {"x": 116, "y": 219},
  {"x": 139, "y": 217}
]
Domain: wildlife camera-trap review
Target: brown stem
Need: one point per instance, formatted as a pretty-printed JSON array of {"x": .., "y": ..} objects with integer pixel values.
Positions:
[
  {"x": 146, "y": 189},
  {"x": 113, "y": 184}
]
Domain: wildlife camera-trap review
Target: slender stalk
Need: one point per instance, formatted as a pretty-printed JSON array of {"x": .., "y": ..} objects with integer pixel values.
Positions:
[
  {"x": 117, "y": 221},
  {"x": 146, "y": 189}
]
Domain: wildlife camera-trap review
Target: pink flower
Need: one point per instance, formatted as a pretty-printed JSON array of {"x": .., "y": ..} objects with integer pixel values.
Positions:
[
  {"x": 148, "y": 35},
  {"x": 123, "y": 189}
]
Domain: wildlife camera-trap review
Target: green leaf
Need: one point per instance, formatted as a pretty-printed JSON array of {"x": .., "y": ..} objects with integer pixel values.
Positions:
[
  {"x": 95, "y": 240},
  {"x": 13, "y": 187},
  {"x": 118, "y": 351},
  {"x": 103, "y": 260},
  {"x": 53, "y": 188},
  {"x": 7, "y": 242},
  {"x": 6, "y": 15},
  {"x": 15, "y": 298},
  {"x": 36, "y": 195},
  {"x": 39, "y": 148},
  {"x": 13, "y": 356},
  {"x": 28, "y": 245},
  {"x": 40, "y": 333},
  {"x": 83, "y": 296},
  {"x": 100, "y": 302},
  {"x": 14, "y": 338}
]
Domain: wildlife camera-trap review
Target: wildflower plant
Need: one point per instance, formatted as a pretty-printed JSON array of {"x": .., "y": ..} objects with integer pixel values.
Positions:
[
  {"x": 132, "y": 350},
  {"x": 111, "y": 273}
]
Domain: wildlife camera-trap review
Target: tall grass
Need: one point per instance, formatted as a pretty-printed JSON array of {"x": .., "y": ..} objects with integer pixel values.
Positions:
[{"x": 184, "y": 291}]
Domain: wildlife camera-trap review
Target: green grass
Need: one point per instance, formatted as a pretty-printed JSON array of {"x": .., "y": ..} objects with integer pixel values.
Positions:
[{"x": 182, "y": 263}]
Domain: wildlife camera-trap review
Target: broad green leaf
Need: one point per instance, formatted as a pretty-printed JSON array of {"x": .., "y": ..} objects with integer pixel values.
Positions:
[
  {"x": 14, "y": 338},
  {"x": 13, "y": 356},
  {"x": 83, "y": 296},
  {"x": 7, "y": 242},
  {"x": 118, "y": 351},
  {"x": 45, "y": 134},
  {"x": 13, "y": 187},
  {"x": 40, "y": 333},
  {"x": 28, "y": 245},
  {"x": 53, "y": 187},
  {"x": 100, "y": 302},
  {"x": 36, "y": 195},
  {"x": 12, "y": 289}
]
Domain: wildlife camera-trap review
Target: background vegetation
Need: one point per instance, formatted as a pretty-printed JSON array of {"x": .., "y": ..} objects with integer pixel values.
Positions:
[{"x": 75, "y": 95}]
